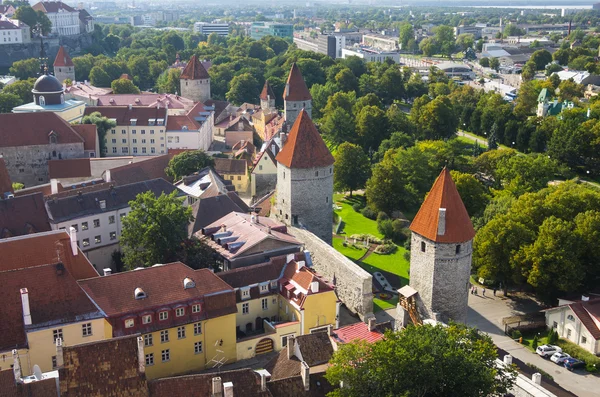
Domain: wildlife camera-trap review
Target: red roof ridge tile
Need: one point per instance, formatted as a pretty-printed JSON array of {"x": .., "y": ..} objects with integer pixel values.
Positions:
[
  {"x": 295, "y": 87},
  {"x": 304, "y": 147},
  {"x": 194, "y": 70},
  {"x": 443, "y": 195}
]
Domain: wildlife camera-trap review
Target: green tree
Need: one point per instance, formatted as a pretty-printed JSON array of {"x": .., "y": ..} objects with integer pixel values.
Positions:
[
  {"x": 526, "y": 173},
  {"x": 338, "y": 126},
  {"x": 17, "y": 186},
  {"x": 168, "y": 82},
  {"x": 112, "y": 43},
  {"x": 346, "y": 80},
  {"x": 174, "y": 39},
  {"x": 385, "y": 189},
  {"x": 99, "y": 78},
  {"x": 460, "y": 362},
  {"x": 529, "y": 70},
  {"x": 485, "y": 62},
  {"x": 244, "y": 88},
  {"x": 474, "y": 195},
  {"x": 429, "y": 46},
  {"x": 513, "y": 30},
  {"x": 27, "y": 15},
  {"x": 570, "y": 90},
  {"x": 562, "y": 56},
  {"x": 154, "y": 229},
  {"x": 124, "y": 86},
  {"x": 371, "y": 127},
  {"x": 406, "y": 34},
  {"x": 43, "y": 23},
  {"x": 103, "y": 124},
  {"x": 25, "y": 68},
  {"x": 492, "y": 140},
  {"x": 187, "y": 163},
  {"x": 351, "y": 168},
  {"x": 526, "y": 102},
  {"x": 541, "y": 58},
  {"x": 8, "y": 102},
  {"x": 444, "y": 36},
  {"x": 22, "y": 89},
  {"x": 465, "y": 40},
  {"x": 277, "y": 44},
  {"x": 437, "y": 119},
  {"x": 495, "y": 64}
]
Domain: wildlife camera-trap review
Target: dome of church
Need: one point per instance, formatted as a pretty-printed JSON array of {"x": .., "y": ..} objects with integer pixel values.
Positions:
[{"x": 47, "y": 84}]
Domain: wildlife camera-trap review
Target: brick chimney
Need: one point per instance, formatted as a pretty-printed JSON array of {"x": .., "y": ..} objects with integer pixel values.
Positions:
[
  {"x": 372, "y": 323},
  {"x": 141, "y": 356},
  {"x": 305, "y": 373},
  {"x": 107, "y": 271},
  {"x": 60, "y": 360},
  {"x": 107, "y": 176},
  {"x": 291, "y": 342},
  {"x": 25, "y": 303},
  {"x": 53, "y": 186},
  {"x": 217, "y": 387},
  {"x": 441, "y": 230},
  {"x": 73, "y": 239}
]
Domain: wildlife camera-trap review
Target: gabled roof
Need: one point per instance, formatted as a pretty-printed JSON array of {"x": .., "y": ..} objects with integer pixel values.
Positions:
[
  {"x": 52, "y": 6},
  {"x": 103, "y": 368},
  {"x": 587, "y": 312},
  {"x": 123, "y": 114},
  {"x": 41, "y": 388},
  {"x": 319, "y": 386},
  {"x": 210, "y": 209},
  {"x": 54, "y": 298},
  {"x": 295, "y": 88},
  {"x": 203, "y": 184},
  {"x": 443, "y": 195},
  {"x": 315, "y": 349},
  {"x": 163, "y": 285},
  {"x": 267, "y": 91},
  {"x": 28, "y": 129},
  {"x": 255, "y": 274},
  {"x": 42, "y": 249},
  {"x": 194, "y": 70},
  {"x": 23, "y": 215},
  {"x": 150, "y": 100},
  {"x": 69, "y": 168},
  {"x": 230, "y": 166},
  {"x": 151, "y": 168},
  {"x": 89, "y": 132},
  {"x": 304, "y": 147},
  {"x": 63, "y": 58}
]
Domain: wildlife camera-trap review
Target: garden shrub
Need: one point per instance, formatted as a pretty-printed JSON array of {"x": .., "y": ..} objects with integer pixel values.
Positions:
[
  {"x": 578, "y": 352},
  {"x": 382, "y": 216},
  {"x": 368, "y": 213},
  {"x": 386, "y": 249},
  {"x": 385, "y": 227},
  {"x": 516, "y": 334},
  {"x": 357, "y": 206},
  {"x": 552, "y": 337},
  {"x": 535, "y": 342}
]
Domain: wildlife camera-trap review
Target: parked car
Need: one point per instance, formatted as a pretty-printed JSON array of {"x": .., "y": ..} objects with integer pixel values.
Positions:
[
  {"x": 559, "y": 358},
  {"x": 547, "y": 351},
  {"x": 573, "y": 363}
]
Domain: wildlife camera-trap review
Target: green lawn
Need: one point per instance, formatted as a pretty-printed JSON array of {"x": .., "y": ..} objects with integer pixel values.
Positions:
[
  {"x": 380, "y": 304},
  {"x": 354, "y": 222},
  {"x": 349, "y": 251},
  {"x": 394, "y": 263}
]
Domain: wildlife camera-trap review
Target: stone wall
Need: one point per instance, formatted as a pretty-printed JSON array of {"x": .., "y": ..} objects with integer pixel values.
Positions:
[
  {"x": 29, "y": 164},
  {"x": 441, "y": 277},
  {"x": 263, "y": 184},
  {"x": 10, "y": 53},
  {"x": 292, "y": 110},
  {"x": 196, "y": 90},
  {"x": 353, "y": 285}
]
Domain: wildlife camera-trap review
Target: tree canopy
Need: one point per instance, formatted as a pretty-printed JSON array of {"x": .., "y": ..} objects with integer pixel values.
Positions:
[
  {"x": 187, "y": 163},
  {"x": 351, "y": 168}
]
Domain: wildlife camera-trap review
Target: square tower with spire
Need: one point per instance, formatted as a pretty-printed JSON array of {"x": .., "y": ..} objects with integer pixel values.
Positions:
[
  {"x": 296, "y": 96},
  {"x": 305, "y": 180},
  {"x": 441, "y": 251},
  {"x": 64, "y": 68},
  {"x": 195, "y": 81}
]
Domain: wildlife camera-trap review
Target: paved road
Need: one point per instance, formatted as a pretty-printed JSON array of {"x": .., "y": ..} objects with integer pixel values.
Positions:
[{"x": 487, "y": 313}]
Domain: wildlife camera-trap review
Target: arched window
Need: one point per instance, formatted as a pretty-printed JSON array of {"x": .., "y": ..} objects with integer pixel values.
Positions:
[
  {"x": 54, "y": 151},
  {"x": 42, "y": 100}
]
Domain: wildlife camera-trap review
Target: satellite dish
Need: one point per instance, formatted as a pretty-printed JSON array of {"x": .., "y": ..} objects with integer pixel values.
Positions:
[{"x": 37, "y": 372}]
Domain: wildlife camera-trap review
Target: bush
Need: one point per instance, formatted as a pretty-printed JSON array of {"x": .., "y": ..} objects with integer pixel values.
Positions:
[
  {"x": 578, "y": 352},
  {"x": 386, "y": 249},
  {"x": 368, "y": 213},
  {"x": 401, "y": 233},
  {"x": 535, "y": 342},
  {"x": 363, "y": 237},
  {"x": 407, "y": 256},
  {"x": 385, "y": 227},
  {"x": 591, "y": 368},
  {"x": 357, "y": 207},
  {"x": 382, "y": 216},
  {"x": 552, "y": 337},
  {"x": 516, "y": 334}
]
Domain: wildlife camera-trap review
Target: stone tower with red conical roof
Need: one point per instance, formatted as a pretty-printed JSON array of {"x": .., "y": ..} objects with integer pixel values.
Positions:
[
  {"x": 305, "y": 180},
  {"x": 195, "y": 81},
  {"x": 296, "y": 96},
  {"x": 441, "y": 251},
  {"x": 63, "y": 66},
  {"x": 267, "y": 98}
]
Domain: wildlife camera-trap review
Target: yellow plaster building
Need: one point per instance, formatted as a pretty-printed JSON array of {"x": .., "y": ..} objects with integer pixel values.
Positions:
[
  {"x": 186, "y": 317},
  {"x": 234, "y": 170}
]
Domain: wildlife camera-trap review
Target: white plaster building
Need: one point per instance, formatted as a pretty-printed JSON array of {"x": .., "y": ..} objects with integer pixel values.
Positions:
[
  {"x": 64, "y": 18},
  {"x": 577, "y": 321},
  {"x": 13, "y": 31},
  {"x": 97, "y": 216},
  {"x": 193, "y": 130}
]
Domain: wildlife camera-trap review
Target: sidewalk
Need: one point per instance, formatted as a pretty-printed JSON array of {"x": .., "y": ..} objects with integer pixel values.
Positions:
[{"x": 486, "y": 313}]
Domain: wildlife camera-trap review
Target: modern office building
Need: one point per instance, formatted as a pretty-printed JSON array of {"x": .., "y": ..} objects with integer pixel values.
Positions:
[
  {"x": 222, "y": 29},
  {"x": 258, "y": 30}
]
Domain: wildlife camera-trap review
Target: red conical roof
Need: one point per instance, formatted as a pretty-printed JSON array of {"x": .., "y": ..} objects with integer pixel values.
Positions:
[
  {"x": 194, "y": 70},
  {"x": 443, "y": 194},
  {"x": 304, "y": 147},
  {"x": 267, "y": 91},
  {"x": 63, "y": 58},
  {"x": 295, "y": 88}
]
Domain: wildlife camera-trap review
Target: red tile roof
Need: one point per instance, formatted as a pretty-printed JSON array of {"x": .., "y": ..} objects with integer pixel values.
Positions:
[
  {"x": 267, "y": 91},
  {"x": 150, "y": 100},
  {"x": 443, "y": 194},
  {"x": 63, "y": 58},
  {"x": 194, "y": 70},
  {"x": 141, "y": 171},
  {"x": 54, "y": 297},
  {"x": 69, "y": 168},
  {"x": 177, "y": 123},
  {"x": 89, "y": 133},
  {"x": 587, "y": 311},
  {"x": 295, "y": 88},
  {"x": 52, "y": 6},
  {"x": 5, "y": 182},
  {"x": 163, "y": 286},
  {"x": 28, "y": 129},
  {"x": 50, "y": 247},
  {"x": 23, "y": 215},
  {"x": 304, "y": 147},
  {"x": 358, "y": 331},
  {"x": 123, "y": 115}
]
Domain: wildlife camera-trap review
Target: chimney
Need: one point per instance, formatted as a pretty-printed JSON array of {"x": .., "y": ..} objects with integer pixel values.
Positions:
[
  {"x": 291, "y": 344},
  {"x": 537, "y": 378},
  {"x": 60, "y": 360},
  {"x": 314, "y": 286},
  {"x": 223, "y": 227},
  {"x": 305, "y": 373},
  {"x": 16, "y": 365},
  {"x": 585, "y": 298},
  {"x": 283, "y": 138},
  {"x": 53, "y": 186},
  {"x": 130, "y": 106},
  {"x": 299, "y": 265},
  {"x": 107, "y": 176},
  {"x": 228, "y": 389},
  {"x": 329, "y": 330},
  {"x": 287, "y": 89},
  {"x": 25, "y": 303},
  {"x": 73, "y": 239},
  {"x": 107, "y": 271},
  {"x": 269, "y": 229},
  {"x": 263, "y": 382},
  {"x": 141, "y": 356},
  {"x": 371, "y": 323},
  {"x": 508, "y": 359},
  {"x": 217, "y": 388},
  {"x": 441, "y": 222}
]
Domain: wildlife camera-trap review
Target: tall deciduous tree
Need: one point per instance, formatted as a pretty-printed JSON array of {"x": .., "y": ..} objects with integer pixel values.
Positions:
[
  {"x": 8, "y": 102},
  {"x": 437, "y": 119},
  {"x": 474, "y": 195},
  {"x": 244, "y": 88},
  {"x": 421, "y": 361},
  {"x": 103, "y": 124},
  {"x": 124, "y": 86},
  {"x": 154, "y": 229},
  {"x": 372, "y": 127},
  {"x": 351, "y": 168},
  {"x": 25, "y": 68},
  {"x": 187, "y": 163}
]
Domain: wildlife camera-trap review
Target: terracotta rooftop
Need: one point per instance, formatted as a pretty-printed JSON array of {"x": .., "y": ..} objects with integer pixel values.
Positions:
[
  {"x": 89, "y": 133},
  {"x": 52, "y": 6},
  {"x": 69, "y": 168},
  {"x": 304, "y": 147},
  {"x": 230, "y": 166},
  {"x": 123, "y": 115},
  {"x": 63, "y": 58},
  {"x": 249, "y": 275},
  {"x": 54, "y": 298},
  {"x": 23, "y": 215},
  {"x": 150, "y": 100},
  {"x": 163, "y": 286},
  {"x": 588, "y": 313},
  {"x": 28, "y": 129},
  {"x": 295, "y": 88},
  {"x": 281, "y": 367},
  {"x": 182, "y": 123},
  {"x": 50, "y": 247},
  {"x": 443, "y": 195},
  {"x": 314, "y": 349},
  {"x": 360, "y": 331},
  {"x": 151, "y": 168},
  {"x": 194, "y": 70},
  {"x": 41, "y": 388},
  {"x": 267, "y": 91},
  {"x": 104, "y": 368},
  {"x": 5, "y": 181}
]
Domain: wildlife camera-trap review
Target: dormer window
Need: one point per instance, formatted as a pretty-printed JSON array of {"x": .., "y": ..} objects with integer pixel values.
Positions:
[
  {"x": 188, "y": 283},
  {"x": 184, "y": 128},
  {"x": 274, "y": 284},
  {"x": 245, "y": 293},
  {"x": 160, "y": 121},
  {"x": 129, "y": 323},
  {"x": 146, "y": 319},
  {"x": 139, "y": 293},
  {"x": 133, "y": 121},
  {"x": 264, "y": 288},
  {"x": 53, "y": 138},
  {"x": 196, "y": 308},
  {"x": 163, "y": 316},
  {"x": 151, "y": 122}
]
